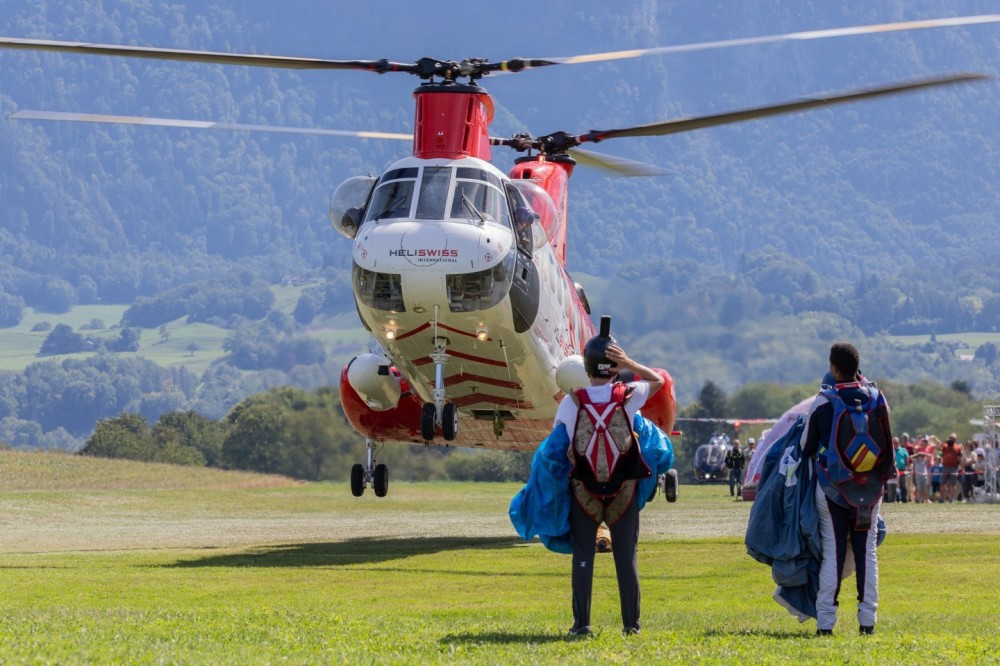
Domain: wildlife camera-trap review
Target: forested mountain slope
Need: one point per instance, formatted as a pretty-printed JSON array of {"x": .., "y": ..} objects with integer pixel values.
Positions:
[{"x": 878, "y": 215}]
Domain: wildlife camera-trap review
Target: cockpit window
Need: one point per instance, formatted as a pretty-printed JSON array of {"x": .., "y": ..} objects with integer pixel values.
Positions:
[
  {"x": 463, "y": 193},
  {"x": 399, "y": 174},
  {"x": 391, "y": 199},
  {"x": 468, "y": 173},
  {"x": 478, "y": 196},
  {"x": 433, "y": 193}
]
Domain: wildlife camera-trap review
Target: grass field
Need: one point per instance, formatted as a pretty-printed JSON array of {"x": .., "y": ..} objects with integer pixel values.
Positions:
[
  {"x": 969, "y": 342},
  {"x": 195, "y": 346},
  {"x": 116, "y": 562}
]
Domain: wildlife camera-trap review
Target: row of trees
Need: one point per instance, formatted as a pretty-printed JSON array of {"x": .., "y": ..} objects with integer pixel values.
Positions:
[
  {"x": 304, "y": 435},
  {"x": 287, "y": 431},
  {"x": 769, "y": 283},
  {"x": 219, "y": 301},
  {"x": 67, "y": 397},
  {"x": 64, "y": 340}
]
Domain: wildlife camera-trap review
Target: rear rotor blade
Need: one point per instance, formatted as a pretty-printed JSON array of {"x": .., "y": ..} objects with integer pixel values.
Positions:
[
  {"x": 618, "y": 166},
  {"x": 688, "y": 124},
  {"x": 198, "y": 124},
  {"x": 768, "y": 39}
]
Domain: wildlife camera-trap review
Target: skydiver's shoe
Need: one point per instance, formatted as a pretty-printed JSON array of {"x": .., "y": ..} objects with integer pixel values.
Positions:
[
  {"x": 866, "y": 631},
  {"x": 824, "y": 632},
  {"x": 579, "y": 631},
  {"x": 630, "y": 631},
  {"x": 670, "y": 485}
]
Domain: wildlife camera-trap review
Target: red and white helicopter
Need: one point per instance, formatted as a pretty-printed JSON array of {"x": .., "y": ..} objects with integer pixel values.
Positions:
[{"x": 459, "y": 270}]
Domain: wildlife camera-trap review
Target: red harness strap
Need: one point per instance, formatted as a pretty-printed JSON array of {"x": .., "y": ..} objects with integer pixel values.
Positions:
[{"x": 603, "y": 450}]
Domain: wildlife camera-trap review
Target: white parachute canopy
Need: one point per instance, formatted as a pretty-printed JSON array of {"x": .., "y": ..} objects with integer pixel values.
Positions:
[{"x": 771, "y": 436}]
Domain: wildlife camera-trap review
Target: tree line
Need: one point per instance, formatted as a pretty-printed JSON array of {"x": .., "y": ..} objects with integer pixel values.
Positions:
[
  {"x": 292, "y": 432},
  {"x": 304, "y": 435}
]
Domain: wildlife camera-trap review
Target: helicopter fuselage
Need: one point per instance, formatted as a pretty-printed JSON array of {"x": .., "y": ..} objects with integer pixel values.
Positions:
[{"x": 439, "y": 262}]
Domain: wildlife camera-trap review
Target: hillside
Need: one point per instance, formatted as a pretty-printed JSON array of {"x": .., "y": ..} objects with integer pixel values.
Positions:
[
  {"x": 907, "y": 179},
  {"x": 769, "y": 238}
]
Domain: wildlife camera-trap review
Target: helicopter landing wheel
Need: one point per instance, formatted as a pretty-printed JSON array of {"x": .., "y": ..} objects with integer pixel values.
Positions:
[
  {"x": 358, "y": 480},
  {"x": 670, "y": 485},
  {"x": 427, "y": 416},
  {"x": 656, "y": 486},
  {"x": 380, "y": 480},
  {"x": 449, "y": 421}
]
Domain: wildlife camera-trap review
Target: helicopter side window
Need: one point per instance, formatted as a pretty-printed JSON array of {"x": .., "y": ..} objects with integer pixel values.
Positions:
[
  {"x": 434, "y": 186},
  {"x": 391, "y": 199},
  {"x": 524, "y": 220}
]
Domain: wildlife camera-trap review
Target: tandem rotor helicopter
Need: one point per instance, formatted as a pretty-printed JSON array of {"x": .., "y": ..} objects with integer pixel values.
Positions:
[{"x": 459, "y": 269}]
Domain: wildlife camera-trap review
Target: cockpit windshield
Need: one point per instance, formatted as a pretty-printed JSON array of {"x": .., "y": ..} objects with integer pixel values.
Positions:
[
  {"x": 442, "y": 192},
  {"x": 394, "y": 195}
]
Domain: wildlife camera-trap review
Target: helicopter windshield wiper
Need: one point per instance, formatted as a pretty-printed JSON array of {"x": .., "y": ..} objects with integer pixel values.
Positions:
[
  {"x": 472, "y": 208},
  {"x": 391, "y": 212}
]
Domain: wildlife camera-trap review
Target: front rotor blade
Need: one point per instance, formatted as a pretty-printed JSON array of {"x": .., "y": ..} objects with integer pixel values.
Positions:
[
  {"x": 616, "y": 165},
  {"x": 379, "y": 66},
  {"x": 198, "y": 124},
  {"x": 688, "y": 124},
  {"x": 768, "y": 39}
]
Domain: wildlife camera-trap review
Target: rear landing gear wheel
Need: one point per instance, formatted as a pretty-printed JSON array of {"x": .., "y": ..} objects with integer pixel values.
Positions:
[
  {"x": 449, "y": 421},
  {"x": 358, "y": 480},
  {"x": 380, "y": 480},
  {"x": 427, "y": 415}
]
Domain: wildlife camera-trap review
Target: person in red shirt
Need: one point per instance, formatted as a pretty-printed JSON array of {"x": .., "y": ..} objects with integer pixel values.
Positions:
[{"x": 951, "y": 459}]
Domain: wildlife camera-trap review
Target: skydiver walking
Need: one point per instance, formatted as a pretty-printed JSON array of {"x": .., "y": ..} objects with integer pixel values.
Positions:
[{"x": 848, "y": 434}]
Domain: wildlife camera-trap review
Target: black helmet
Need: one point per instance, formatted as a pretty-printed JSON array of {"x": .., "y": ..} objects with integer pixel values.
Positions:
[{"x": 594, "y": 360}]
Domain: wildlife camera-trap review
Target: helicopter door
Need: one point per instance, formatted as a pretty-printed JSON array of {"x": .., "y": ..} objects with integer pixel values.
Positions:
[
  {"x": 525, "y": 290},
  {"x": 525, "y": 220}
]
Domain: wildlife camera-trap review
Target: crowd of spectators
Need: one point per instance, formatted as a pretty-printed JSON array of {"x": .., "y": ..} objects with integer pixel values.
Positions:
[{"x": 929, "y": 470}]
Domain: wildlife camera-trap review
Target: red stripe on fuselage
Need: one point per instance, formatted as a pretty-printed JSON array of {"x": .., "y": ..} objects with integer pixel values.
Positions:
[
  {"x": 468, "y": 357},
  {"x": 423, "y": 327}
]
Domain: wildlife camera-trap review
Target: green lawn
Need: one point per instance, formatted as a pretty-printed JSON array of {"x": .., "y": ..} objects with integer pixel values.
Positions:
[{"x": 115, "y": 562}]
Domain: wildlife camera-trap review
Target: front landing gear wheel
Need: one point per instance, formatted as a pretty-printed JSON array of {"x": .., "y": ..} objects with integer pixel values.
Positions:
[
  {"x": 427, "y": 416},
  {"x": 358, "y": 480},
  {"x": 380, "y": 480},
  {"x": 449, "y": 421},
  {"x": 670, "y": 485}
]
